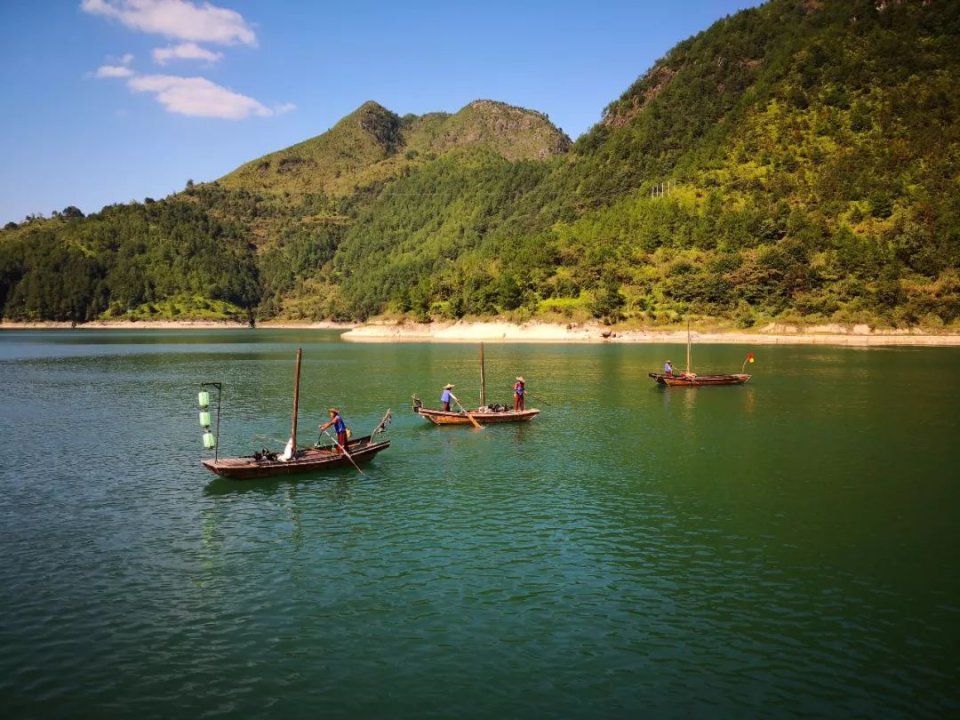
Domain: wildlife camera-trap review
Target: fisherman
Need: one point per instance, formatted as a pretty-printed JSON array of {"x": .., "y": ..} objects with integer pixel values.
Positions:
[
  {"x": 519, "y": 389},
  {"x": 446, "y": 396},
  {"x": 339, "y": 426},
  {"x": 667, "y": 369}
]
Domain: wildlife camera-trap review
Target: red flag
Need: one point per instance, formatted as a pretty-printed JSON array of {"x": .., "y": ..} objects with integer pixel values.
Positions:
[{"x": 749, "y": 357}]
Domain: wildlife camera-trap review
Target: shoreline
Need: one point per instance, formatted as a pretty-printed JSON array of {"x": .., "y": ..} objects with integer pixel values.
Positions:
[
  {"x": 540, "y": 332},
  {"x": 171, "y": 325},
  {"x": 537, "y": 332}
]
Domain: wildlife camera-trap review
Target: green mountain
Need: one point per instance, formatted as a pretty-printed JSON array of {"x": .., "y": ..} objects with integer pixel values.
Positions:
[
  {"x": 374, "y": 145},
  {"x": 798, "y": 161}
]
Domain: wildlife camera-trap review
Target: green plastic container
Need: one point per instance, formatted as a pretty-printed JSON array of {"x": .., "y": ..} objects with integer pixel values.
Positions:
[
  {"x": 204, "y": 399},
  {"x": 209, "y": 441},
  {"x": 204, "y": 419}
]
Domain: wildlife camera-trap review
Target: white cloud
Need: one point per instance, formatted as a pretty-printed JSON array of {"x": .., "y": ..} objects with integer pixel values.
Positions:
[
  {"x": 198, "y": 97},
  {"x": 113, "y": 71},
  {"x": 178, "y": 19},
  {"x": 185, "y": 51},
  {"x": 188, "y": 22}
]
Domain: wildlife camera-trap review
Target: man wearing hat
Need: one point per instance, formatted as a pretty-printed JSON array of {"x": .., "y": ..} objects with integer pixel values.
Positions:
[
  {"x": 667, "y": 368},
  {"x": 518, "y": 392},
  {"x": 446, "y": 396},
  {"x": 339, "y": 426}
]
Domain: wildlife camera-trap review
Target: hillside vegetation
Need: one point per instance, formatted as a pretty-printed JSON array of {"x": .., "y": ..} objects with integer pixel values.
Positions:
[{"x": 799, "y": 161}]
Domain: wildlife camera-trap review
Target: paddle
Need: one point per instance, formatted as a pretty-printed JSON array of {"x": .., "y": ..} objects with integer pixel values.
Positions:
[
  {"x": 475, "y": 423},
  {"x": 342, "y": 448},
  {"x": 539, "y": 398}
]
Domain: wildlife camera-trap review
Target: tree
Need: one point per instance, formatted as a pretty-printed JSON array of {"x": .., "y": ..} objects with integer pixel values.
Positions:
[{"x": 609, "y": 301}]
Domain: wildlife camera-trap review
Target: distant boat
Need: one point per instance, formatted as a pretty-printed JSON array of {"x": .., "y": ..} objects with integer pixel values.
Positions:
[
  {"x": 294, "y": 460},
  {"x": 691, "y": 379},
  {"x": 483, "y": 415}
]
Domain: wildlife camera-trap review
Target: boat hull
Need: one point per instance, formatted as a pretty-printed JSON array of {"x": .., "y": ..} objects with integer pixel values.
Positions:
[
  {"x": 699, "y": 380},
  {"x": 482, "y": 417},
  {"x": 307, "y": 460}
]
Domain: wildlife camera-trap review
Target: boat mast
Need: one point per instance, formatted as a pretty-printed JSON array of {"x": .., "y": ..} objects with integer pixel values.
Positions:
[
  {"x": 483, "y": 381},
  {"x": 688, "y": 346},
  {"x": 296, "y": 399}
]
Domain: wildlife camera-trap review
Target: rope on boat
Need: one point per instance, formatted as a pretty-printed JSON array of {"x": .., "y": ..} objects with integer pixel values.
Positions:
[{"x": 381, "y": 426}]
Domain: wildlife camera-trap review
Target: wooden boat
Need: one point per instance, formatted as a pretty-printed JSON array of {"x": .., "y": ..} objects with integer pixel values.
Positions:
[
  {"x": 691, "y": 379},
  {"x": 694, "y": 380},
  {"x": 488, "y": 415},
  {"x": 483, "y": 415},
  {"x": 294, "y": 460},
  {"x": 262, "y": 465}
]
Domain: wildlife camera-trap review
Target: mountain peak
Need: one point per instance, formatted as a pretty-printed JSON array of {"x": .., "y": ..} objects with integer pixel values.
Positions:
[
  {"x": 377, "y": 122},
  {"x": 366, "y": 145}
]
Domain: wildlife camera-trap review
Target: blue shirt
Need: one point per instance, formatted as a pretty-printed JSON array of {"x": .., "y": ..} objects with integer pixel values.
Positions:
[
  {"x": 339, "y": 425},
  {"x": 445, "y": 398}
]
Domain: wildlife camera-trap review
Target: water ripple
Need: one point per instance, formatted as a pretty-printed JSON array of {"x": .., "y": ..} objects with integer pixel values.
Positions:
[{"x": 546, "y": 570}]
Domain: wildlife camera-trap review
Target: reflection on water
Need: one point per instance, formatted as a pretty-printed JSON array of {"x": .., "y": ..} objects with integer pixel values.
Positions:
[{"x": 782, "y": 548}]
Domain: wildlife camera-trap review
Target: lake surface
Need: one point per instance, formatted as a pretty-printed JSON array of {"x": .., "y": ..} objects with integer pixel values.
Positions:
[{"x": 782, "y": 549}]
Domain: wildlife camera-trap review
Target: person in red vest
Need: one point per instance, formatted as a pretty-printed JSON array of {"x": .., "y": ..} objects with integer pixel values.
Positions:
[
  {"x": 519, "y": 390},
  {"x": 339, "y": 426}
]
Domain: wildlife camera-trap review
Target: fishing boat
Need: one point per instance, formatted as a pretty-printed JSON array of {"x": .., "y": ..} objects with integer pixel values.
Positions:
[
  {"x": 493, "y": 414},
  {"x": 489, "y": 415},
  {"x": 312, "y": 459},
  {"x": 692, "y": 379},
  {"x": 293, "y": 459}
]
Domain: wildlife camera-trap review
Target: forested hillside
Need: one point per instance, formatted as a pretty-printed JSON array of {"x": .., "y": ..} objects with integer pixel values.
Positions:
[{"x": 799, "y": 161}]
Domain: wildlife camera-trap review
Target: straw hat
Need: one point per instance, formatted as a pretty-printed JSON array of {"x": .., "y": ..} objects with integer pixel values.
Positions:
[
  {"x": 333, "y": 410},
  {"x": 448, "y": 386},
  {"x": 520, "y": 378}
]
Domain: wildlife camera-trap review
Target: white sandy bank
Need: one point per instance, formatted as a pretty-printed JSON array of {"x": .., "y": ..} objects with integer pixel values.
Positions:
[
  {"x": 773, "y": 334},
  {"x": 860, "y": 335}
]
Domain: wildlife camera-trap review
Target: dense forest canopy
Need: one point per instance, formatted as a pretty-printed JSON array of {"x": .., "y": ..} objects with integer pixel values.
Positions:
[{"x": 799, "y": 161}]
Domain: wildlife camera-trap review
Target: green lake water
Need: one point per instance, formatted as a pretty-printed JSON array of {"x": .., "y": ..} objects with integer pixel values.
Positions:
[{"x": 777, "y": 550}]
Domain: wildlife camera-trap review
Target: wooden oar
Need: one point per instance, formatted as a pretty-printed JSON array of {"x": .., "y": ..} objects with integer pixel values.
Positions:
[
  {"x": 539, "y": 398},
  {"x": 472, "y": 419},
  {"x": 344, "y": 451}
]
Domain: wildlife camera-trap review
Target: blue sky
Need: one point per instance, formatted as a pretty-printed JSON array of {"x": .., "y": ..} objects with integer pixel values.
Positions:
[{"x": 112, "y": 101}]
